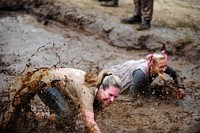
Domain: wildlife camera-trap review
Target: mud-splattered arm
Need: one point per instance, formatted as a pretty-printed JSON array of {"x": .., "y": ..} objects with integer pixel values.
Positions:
[
  {"x": 88, "y": 118},
  {"x": 177, "y": 79},
  {"x": 175, "y": 76}
]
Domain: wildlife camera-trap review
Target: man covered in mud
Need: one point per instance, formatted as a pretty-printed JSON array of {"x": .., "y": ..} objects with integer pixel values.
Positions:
[
  {"x": 139, "y": 74},
  {"x": 56, "y": 86}
]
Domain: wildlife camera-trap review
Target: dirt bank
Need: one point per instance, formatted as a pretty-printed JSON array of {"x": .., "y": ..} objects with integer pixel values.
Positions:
[{"x": 82, "y": 34}]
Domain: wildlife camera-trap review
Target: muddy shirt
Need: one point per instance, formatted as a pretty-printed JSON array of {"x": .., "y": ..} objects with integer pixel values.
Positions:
[
  {"x": 124, "y": 71},
  {"x": 71, "y": 83}
]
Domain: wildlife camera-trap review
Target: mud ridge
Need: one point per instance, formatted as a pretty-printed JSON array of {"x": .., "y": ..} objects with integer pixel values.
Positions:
[{"x": 109, "y": 30}]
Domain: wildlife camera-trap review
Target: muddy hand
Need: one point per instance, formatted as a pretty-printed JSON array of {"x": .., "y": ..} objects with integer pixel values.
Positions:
[{"x": 180, "y": 94}]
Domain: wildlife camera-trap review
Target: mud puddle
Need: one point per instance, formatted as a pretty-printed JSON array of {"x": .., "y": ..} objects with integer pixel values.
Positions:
[{"x": 25, "y": 41}]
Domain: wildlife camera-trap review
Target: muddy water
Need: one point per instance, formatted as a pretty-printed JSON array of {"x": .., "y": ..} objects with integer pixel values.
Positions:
[{"x": 25, "y": 41}]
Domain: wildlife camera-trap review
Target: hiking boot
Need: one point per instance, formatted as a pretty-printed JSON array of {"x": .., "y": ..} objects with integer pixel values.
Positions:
[
  {"x": 145, "y": 25},
  {"x": 110, "y": 4},
  {"x": 132, "y": 20}
]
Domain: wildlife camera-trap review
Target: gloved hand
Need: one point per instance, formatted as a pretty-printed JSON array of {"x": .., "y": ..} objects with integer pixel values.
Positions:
[{"x": 180, "y": 93}]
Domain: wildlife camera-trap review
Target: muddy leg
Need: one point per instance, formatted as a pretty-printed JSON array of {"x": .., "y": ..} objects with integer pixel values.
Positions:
[
  {"x": 23, "y": 89},
  {"x": 56, "y": 101}
]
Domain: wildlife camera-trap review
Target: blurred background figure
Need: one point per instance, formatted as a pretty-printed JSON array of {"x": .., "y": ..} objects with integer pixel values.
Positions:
[{"x": 142, "y": 14}]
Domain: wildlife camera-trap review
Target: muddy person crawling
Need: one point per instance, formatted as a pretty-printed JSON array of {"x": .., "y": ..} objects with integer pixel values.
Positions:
[
  {"x": 55, "y": 86},
  {"x": 137, "y": 75}
]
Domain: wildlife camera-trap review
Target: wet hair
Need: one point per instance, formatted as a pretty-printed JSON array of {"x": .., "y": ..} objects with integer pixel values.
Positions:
[
  {"x": 152, "y": 60},
  {"x": 111, "y": 80},
  {"x": 104, "y": 78}
]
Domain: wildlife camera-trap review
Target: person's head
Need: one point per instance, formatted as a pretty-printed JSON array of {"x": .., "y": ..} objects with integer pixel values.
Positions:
[
  {"x": 108, "y": 85},
  {"x": 158, "y": 62},
  {"x": 109, "y": 89}
]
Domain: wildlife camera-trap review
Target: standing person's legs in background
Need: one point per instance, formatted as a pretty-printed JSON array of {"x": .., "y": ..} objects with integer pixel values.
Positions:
[
  {"x": 136, "y": 18},
  {"x": 143, "y": 12},
  {"x": 147, "y": 13}
]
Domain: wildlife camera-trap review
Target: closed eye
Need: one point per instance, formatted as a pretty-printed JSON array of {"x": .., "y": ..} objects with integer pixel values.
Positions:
[{"x": 111, "y": 95}]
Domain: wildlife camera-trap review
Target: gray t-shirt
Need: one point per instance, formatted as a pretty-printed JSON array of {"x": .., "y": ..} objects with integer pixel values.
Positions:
[{"x": 124, "y": 71}]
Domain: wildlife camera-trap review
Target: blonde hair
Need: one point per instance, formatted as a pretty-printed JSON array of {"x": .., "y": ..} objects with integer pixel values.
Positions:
[
  {"x": 104, "y": 78},
  {"x": 159, "y": 56},
  {"x": 153, "y": 59}
]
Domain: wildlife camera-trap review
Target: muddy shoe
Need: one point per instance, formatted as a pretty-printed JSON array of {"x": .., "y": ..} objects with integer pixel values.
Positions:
[
  {"x": 109, "y": 4},
  {"x": 144, "y": 26},
  {"x": 132, "y": 20}
]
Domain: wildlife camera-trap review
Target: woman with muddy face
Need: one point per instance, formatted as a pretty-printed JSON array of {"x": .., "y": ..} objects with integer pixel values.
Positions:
[
  {"x": 137, "y": 74},
  {"x": 56, "y": 87}
]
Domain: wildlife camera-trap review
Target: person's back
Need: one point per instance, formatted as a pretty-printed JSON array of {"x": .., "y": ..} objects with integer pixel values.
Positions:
[
  {"x": 70, "y": 82},
  {"x": 124, "y": 70}
]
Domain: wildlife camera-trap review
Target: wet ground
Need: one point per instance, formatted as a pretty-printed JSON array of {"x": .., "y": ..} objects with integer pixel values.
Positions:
[{"x": 66, "y": 36}]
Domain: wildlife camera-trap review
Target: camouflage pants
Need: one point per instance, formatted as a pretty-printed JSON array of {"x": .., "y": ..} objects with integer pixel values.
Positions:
[{"x": 144, "y": 8}]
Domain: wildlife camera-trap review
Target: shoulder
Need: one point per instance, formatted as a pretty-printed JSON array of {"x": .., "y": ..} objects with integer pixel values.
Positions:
[
  {"x": 69, "y": 71},
  {"x": 87, "y": 97}
]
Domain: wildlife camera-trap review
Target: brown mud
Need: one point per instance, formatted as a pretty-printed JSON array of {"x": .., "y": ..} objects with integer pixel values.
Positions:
[{"x": 81, "y": 34}]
